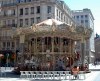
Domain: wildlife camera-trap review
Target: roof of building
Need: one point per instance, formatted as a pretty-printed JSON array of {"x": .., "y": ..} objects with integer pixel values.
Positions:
[{"x": 84, "y": 10}]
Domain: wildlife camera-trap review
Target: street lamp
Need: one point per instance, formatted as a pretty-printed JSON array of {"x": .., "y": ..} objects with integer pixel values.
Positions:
[
  {"x": 48, "y": 56},
  {"x": 18, "y": 56},
  {"x": 84, "y": 34},
  {"x": 7, "y": 60},
  {"x": 22, "y": 40},
  {"x": 1, "y": 55}
]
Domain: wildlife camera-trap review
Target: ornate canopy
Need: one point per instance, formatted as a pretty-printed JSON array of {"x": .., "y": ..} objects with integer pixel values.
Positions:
[{"x": 52, "y": 27}]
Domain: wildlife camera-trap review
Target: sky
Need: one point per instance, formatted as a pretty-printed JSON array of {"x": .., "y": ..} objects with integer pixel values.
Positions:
[{"x": 94, "y": 5}]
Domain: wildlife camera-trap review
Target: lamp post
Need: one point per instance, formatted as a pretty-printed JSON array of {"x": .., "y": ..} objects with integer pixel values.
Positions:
[
  {"x": 1, "y": 55},
  {"x": 7, "y": 60},
  {"x": 48, "y": 56},
  {"x": 84, "y": 33},
  {"x": 22, "y": 39},
  {"x": 82, "y": 51},
  {"x": 18, "y": 56}
]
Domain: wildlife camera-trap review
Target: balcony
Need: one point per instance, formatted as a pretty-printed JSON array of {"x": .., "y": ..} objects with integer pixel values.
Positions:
[
  {"x": 9, "y": 25},
  {"x": 6, "y": 15},
  {"x": 9, "y": 4}
]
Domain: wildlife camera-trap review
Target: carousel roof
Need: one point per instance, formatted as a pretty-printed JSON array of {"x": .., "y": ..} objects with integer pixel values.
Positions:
[
  {"x": 51, "y": 25},
  {"x": 57, "y": 28},
  {"x": 50, "y": 22},
  {"x": 45, "y": 26}
]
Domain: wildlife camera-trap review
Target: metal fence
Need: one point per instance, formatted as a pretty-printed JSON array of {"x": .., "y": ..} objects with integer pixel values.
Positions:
[{"x": 55, "y": 75}]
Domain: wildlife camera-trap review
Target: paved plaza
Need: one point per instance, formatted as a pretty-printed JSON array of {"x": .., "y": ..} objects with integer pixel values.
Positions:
[
  {"x": 10, "y": 76},
  {"x": 89, "y": 77}
]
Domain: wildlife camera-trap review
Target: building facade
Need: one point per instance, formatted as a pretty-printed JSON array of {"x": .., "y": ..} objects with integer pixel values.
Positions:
[
  {"x": 21, "y": 13},
  {"x": 85, "y": 18},
  {"x": 24, "y": 13},
  {"x": 97, "y": 49}
]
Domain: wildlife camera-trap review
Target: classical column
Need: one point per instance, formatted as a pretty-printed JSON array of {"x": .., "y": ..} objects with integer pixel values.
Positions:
[
  {"x": 30, "y": 48},
  {"x": 70, "y": 49},
  {"x": 43, "y": 44},
  {"x": 82, "y": 51},
  {"x": 52, "y": 44},
  {"x": 61, "y": 43},
  {"x": 42, "y": 40},
  {"x": 15, "y": 59},
  {"x": 22, "y": 40},
  {"x": 34, "y": 45},
  {"x": 53, "y": 53}
]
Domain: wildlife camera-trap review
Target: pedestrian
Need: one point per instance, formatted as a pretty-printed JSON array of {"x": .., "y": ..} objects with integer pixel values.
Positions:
[
  {"x": 86, "y": 67},
  {"x": 75, "y": 71},
  {"x": 95, "y": 63}
]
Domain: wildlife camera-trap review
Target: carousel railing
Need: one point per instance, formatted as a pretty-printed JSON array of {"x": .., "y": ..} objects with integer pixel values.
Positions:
[{"x": 62, "y": 75}]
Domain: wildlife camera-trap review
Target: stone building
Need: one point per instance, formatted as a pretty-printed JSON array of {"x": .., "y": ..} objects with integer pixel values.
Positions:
[
  {"x": 85, "y": 18},
  {"x": 25, "y": 13}
]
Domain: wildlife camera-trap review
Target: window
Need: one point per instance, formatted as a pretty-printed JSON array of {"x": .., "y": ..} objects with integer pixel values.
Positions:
[
  {"x": 81, "y": 16},
  {"x": 8, "y": 44},
  {"x": 13, "y": 23},
  {"x": 77, "y": 17},
  {"x": 49, "y": 9},
  {"x": 86, "y": 16},
  {"x": 86, "y": 21},
  {"x": 61, "y": 16},
  {"x": 21, "y": 11},
  {"x": 48, "y": 17},
  {"x": 26, "y": 11},
  {"x": 21, "y": 22},
  {"x": 32, "y": 21},
  {"x": 5, "y": 13},
  {"x": 4, "y": 44},
  {"x": 28, "y": 0},
  {"x": 82, "y": 21},
  {"x": 13, "y": 12},
  {"x": 26, "y": 21},
  {"x": 38, "y": 19},
  {"x": 38, "y": 9},
  {"x": 65, "y": 41},
  {"x": 25, "y": 0},
  {"x": 4, "y": 23},
  {"x": 9, "y": 22},
  {"x": 57, "y": 12},
  {"x": 21, "y": 1},
  {"x": 13, "y": 45},
  {"x": 32, "y": 10}
]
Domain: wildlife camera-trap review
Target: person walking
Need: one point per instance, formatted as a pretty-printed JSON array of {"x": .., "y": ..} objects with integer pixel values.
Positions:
[{"x": 75, "y": 71}]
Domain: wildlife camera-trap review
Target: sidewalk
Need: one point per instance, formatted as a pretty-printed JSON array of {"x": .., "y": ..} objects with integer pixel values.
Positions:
[
  {"x": 89, "y": 76},
  {"x": 94, "y": 67}
]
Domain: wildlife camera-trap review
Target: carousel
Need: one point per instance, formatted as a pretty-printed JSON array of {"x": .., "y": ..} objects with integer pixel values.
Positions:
[{"x": 49, "y": 45}]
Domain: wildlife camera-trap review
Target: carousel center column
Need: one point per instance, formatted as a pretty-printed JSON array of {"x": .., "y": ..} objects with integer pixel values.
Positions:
[
  {"x": 22, "y": 40},
  {"x": 53, "y": 53},
  {"x": 83, "y": 51}
]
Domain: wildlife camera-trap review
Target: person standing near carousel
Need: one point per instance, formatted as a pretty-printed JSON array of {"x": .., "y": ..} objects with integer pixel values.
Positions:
[
  {"x": 61, "y": 65},
  {"x": 75, "y": 71}
]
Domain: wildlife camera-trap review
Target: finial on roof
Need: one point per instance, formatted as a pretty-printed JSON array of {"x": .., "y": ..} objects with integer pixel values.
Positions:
[{"x": 34, "y": 27}]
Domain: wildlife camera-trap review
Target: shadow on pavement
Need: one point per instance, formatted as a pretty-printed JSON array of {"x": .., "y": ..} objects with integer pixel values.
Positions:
[
  {"x": 10, "y": 75},
  {"x": 95, "y": 69}
]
